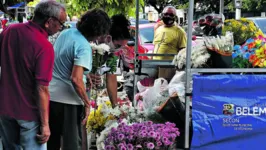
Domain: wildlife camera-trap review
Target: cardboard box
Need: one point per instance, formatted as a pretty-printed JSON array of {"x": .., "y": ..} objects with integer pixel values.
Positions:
[{"x": 166, "y": 73}]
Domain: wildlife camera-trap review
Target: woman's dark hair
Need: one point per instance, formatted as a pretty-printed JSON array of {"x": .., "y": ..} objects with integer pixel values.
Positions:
[
  {"x": 120, "y": 27},
  {"x": 94, "y": 23}
]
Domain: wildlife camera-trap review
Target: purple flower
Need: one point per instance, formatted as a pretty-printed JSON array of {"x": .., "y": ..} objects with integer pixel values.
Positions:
[
  {"x": 138, "y": 146},
  {"x": 159, "y": 143},
  {"x": 123, "y": 148},
  {"x": 143, "y": 134},
  {"x": 149, "y": 123},
  {"x": 130, "y": 147},
  {"x": 113, "y": 130},
  {"x": 108, "y": 147},
  {"x": 144, "y": 128},
  {"x": 121, "y": 137},
  {"x": 121, "y": 145},
  {"x": 123, "y": 124},
  {"x": 130, "y": 137},
  {"x": 168, "y": 143},
  {"x": 165, "y": 139},
  {"x": 152, "y": 134},
  {"x": 150, "y": 145}
]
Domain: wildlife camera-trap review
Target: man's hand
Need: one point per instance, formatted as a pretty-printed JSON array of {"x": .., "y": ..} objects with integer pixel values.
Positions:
[
  {"x": 87, "y": 113},
  {"x": 94, "y": 79},
  {"x": 45, "y": 134}
]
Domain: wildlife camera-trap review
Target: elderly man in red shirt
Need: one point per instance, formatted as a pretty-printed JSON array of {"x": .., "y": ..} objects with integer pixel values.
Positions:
[{"x": 26, "y": 61}]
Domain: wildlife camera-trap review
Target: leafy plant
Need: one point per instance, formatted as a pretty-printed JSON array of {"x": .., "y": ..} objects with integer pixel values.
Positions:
[{"x": 240, "y": 62}]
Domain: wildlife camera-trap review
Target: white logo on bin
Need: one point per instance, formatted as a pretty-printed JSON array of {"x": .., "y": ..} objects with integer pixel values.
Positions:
[{"x": 230, "y": 109}]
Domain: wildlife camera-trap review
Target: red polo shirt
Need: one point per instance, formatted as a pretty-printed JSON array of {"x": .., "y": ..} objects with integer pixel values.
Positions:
[{"x": 26, "y": 59}]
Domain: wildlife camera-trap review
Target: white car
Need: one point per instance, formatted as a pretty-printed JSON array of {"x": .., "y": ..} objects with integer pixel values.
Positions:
[{"x": 260, "y": 22}]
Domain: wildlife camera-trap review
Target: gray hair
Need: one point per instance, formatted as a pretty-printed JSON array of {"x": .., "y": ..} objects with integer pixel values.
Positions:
[
  {"x": 169, "y": 7},
  {"x": 48, "y": 8}
]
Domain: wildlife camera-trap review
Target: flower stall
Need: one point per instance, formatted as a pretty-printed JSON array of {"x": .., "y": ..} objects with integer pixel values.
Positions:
[
  {"x": 144, "y": 124},
  {"x": 227, "y": 53}
]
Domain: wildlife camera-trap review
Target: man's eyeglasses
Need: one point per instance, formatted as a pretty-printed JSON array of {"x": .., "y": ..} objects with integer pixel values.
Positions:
[{"x": 61, "y": 23}]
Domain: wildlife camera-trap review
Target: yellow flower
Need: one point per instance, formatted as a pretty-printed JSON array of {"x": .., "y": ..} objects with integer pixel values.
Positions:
[
  {"x": 108, "y": 103},
  {"x": 243, "y": 28},
  {"x": 96, "y": 119}
]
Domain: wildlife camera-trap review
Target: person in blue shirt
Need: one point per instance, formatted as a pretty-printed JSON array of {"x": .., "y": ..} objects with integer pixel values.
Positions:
[{"x": 68, "y": 97}]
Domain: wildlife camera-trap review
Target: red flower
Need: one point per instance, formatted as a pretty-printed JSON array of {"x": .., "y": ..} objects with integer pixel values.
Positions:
[
  {"x": 251, "y": 45},
  {"x": 252, "y": 58}
]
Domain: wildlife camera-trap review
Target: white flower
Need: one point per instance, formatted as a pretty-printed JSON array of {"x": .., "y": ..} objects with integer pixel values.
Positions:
[
  {"x": 133, "y": 115},
  {"x": 101, "y": 48},
  {"x": 124, "y": 108},
  {"x": 100, "y": 140},
  {"x": 116, "y": 111},
  {"x": 131, "y": 110},
  {"x": 104, "y": 47}
]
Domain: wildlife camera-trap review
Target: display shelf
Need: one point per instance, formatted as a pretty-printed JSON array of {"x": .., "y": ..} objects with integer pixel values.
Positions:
[{"x": 228, "y": 70}]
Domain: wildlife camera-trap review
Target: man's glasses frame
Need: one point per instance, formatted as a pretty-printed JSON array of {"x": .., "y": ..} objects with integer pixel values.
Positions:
[{"x": 61, "y": 23}]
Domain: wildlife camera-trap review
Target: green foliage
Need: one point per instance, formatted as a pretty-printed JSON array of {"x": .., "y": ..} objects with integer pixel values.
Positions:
[
  {"x": 126, "y": 7},
  {"x": 112, "y": 63},
  {"x": 249, "y": 5},
  {"x": 240, "y": 62},
  {"x": 183, "y": 6}
]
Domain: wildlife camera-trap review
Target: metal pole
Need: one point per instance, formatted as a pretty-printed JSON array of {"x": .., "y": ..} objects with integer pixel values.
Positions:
[
  {"x": 221, "y": 6},
  {"x": 188, "y": 69},
  {"x": 136, "y": 49},
  {"x": 238, "y": 13}
]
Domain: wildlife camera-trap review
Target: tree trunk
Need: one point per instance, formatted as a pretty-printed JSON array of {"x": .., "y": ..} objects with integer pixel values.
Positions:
[{"x": 143, "y": 11}]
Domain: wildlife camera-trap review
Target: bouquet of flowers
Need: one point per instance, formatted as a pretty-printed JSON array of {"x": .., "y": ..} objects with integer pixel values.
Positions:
[
  {"x": 125, "y": 113},
  {"x": 97, "y": 119},
  {"x": 251, "y": 54},
  {"x": 103, "y": 61},
  {"x": 144, "y": 136},
  {"x": 208, "y": 25},
  {"x": 222, "y": 45},
  {"x": 242, "y": 29},
  {"x": 199, "y": 56},
  {"x": 104, "y": 113}
]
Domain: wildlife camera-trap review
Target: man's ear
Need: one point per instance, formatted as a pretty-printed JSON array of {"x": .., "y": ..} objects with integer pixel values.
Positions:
[
  {"x": 108, "y": 39},
  {"x": 46, "y": 24}
]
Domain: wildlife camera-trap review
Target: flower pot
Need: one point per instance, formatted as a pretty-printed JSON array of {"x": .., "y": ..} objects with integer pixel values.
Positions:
[
  {"x": 173, "y": 110},
  {"x": 221, "y": 60}
]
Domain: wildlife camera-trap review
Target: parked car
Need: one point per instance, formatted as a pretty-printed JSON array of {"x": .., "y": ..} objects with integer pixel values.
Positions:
[
  {"x": 146, "y": 36},
  {"x": 141, "y": 21},
  {"x": 260, "y": 22}
]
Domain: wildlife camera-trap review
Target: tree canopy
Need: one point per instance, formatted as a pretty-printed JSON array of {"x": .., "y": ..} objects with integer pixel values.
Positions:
[
  {"x": 207, "y": 5},
  {"x": 77, "y": 7},
  {"x": 126, "y": 7}
]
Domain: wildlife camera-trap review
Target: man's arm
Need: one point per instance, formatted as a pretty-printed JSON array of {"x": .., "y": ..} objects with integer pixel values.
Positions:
[
  {"x": 43, "y": 75},
  {"x": 111, "y": 83},
  {"x": 78, "y": 84},
  {"x": 182, "y": 43},
  {"x": 43, "y": 104}
]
